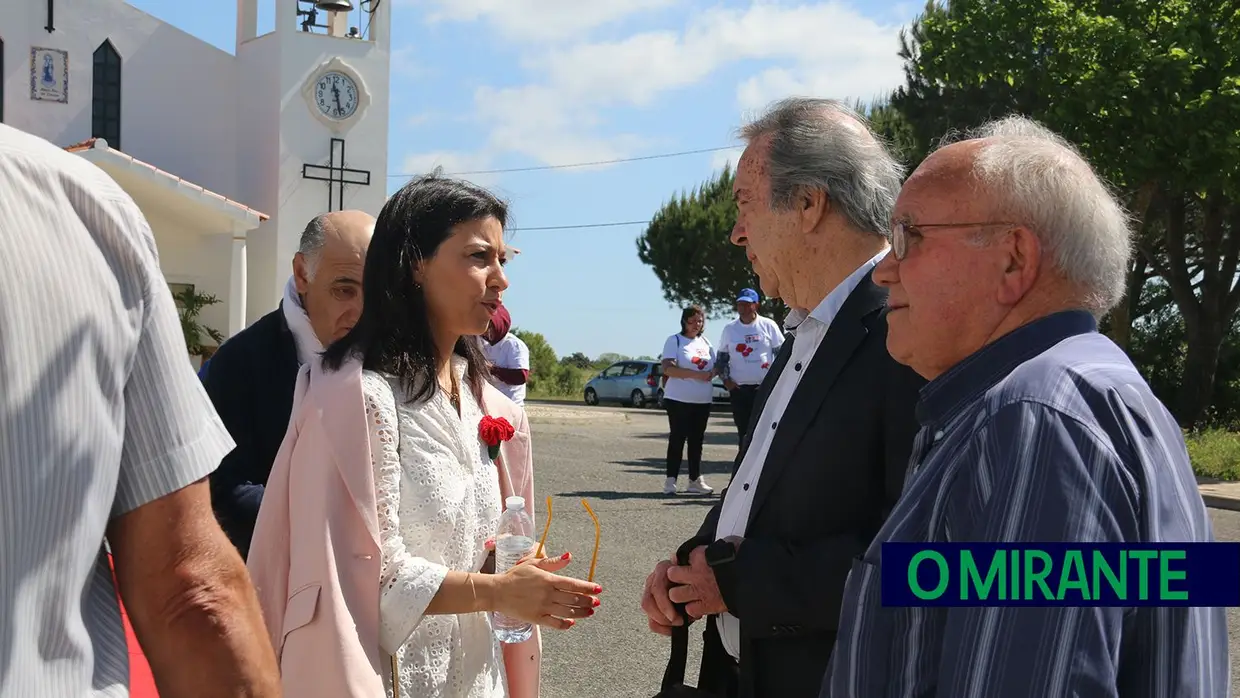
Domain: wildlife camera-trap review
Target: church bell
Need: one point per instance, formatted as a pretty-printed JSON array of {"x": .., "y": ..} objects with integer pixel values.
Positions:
[{"x": 334, "y": 5}]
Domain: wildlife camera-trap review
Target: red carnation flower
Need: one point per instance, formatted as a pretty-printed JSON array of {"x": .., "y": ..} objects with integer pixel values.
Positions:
[{"x": 494, "y": 431}]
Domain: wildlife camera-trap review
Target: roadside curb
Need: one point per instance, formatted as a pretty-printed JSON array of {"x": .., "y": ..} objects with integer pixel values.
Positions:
[
  {"x": 1216, "y": 501},
  {"x": 1220, "y": 495}
]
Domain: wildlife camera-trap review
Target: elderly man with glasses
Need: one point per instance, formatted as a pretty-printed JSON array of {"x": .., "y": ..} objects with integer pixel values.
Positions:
[{"x": 1034, "y": 428}]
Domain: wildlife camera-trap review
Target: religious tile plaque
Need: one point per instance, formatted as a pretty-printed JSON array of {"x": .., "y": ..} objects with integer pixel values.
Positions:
[{"x": 49, "y": 75}]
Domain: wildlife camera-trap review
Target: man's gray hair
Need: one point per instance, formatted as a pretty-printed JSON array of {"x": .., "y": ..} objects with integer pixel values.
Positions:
[
  {"x": 1037, "y": 178},
  {"x": 313, "y": 238},
  {"x": 825, "y": 145}
]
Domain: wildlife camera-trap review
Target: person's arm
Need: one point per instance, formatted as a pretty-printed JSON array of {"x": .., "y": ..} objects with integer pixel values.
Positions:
[
  {"x": 1048, "y": 478},
  {"x": 766, "y": 575},
  {"x": 671, "y": 361},
  {"x": 183, "y": 585},
  {"x": 516, "y": 362},
  {"x": 190, "y": 600},
  {"x": 413, "y": 587},
  {"x": 511, "y": 376},
  {"x": 234, "y": 494},
  {"x": 777, "y": 336}
]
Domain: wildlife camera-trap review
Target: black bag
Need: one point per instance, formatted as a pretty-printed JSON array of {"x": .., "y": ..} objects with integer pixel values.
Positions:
[{"x": 674, "y": 676}]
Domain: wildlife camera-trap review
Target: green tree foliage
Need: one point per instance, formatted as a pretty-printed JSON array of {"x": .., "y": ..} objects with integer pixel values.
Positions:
[
  {"x": 550, "y": 376},
  {"x": 543, "y": 362},
  {"x": 687, "y": 245},
  {"x": 577, "y": 359},
  {"x": 1150, "y": 92}
]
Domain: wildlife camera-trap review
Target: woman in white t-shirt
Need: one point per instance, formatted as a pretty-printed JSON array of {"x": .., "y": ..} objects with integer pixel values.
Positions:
[{"x": 689, "y": 367}]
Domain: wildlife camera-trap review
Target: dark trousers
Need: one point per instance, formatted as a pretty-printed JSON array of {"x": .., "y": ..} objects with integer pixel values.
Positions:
[
  {"x": 742, "y": 407},
  {"x": 719, "y": 673},
  {"x": 686, "y": 422}
]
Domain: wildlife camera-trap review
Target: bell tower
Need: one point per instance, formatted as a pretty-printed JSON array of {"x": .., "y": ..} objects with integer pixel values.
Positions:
[{"x": 312, "y": 123}]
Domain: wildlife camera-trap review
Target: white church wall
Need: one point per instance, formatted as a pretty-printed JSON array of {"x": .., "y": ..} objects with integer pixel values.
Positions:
[
  {"x": 189, "y": 254},
  {"x": 304, "y": 139},
  {"x": 177, "y": 91},
  {"x": 258, "y": 147}
]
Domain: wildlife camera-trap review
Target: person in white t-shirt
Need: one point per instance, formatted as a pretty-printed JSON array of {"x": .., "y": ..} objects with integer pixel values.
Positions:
[
  {"x": 508, "y": 355},
  {"x": 747, "y": 348},
  {"x": 689, "y": 368}
]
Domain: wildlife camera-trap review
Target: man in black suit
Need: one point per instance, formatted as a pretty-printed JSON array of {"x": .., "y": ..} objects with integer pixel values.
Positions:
[
  {"x": 252, "y": 377},
  {"x": 826, "y": 451}
]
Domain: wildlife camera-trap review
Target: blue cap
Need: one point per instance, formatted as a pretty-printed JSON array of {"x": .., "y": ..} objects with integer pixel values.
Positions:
[{"x": 748, "y": 295}]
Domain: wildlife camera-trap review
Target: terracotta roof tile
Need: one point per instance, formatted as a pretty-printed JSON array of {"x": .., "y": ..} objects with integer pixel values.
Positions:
[{"x": 90, "y": 144}]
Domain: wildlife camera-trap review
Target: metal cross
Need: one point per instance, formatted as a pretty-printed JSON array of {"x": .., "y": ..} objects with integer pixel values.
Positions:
[{"x": 336, "y": 175}]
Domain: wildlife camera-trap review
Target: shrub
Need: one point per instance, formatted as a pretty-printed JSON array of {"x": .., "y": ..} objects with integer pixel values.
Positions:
[{"x": 1215, "y": 453}]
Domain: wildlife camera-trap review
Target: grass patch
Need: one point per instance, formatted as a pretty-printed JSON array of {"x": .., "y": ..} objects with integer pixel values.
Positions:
[{"x": 1215, "y": 453}]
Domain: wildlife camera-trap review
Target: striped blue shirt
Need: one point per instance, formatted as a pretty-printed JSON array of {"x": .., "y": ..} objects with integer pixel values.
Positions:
[{"x": 1047, "y": 435}]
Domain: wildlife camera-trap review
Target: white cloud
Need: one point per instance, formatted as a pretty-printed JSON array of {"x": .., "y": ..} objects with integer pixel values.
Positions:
[
  {"x": 817, "y": 48},
  {"x": 542, "y": 20},
  {"x": 827, "y": 46}
]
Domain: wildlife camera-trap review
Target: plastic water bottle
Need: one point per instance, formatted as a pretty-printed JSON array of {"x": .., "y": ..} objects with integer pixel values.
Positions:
[{"x": 513, "y": 541}]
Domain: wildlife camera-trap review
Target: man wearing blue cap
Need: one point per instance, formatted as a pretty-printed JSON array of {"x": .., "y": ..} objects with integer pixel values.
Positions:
[{"x": 747, "y": 348}]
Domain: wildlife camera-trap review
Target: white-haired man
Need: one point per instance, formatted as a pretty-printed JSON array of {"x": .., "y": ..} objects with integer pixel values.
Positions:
[
  {"x": 829, "y": 446},
  {"x": 1034, "y": 428}
]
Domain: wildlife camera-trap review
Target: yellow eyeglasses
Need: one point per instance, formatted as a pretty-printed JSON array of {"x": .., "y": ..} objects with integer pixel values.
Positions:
[{"x": 598, "y": 535}]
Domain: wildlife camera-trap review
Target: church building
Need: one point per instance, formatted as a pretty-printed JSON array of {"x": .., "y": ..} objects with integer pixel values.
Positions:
[{"x": 229, "y": 155}]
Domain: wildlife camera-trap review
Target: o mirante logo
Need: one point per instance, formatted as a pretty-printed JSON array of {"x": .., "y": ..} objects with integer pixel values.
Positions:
[{"x": 1060, "y": 574}]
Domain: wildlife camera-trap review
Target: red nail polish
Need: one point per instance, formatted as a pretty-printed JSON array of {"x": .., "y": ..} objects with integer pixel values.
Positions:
[
  {"x": 597, "y": 603},
  {"x": 590, "y": 612},
  {"x": 565, "y": 556},
  {"x": 598, "y": 589}
]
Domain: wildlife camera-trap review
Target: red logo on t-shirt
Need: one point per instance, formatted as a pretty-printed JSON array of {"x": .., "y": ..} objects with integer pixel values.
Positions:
[{"x": 744, "y": 349}]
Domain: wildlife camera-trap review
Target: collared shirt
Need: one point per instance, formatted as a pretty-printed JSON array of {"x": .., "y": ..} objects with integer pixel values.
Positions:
[
  {"x": 734, "y": 516},
  {"x": 1048, "y": 434},
  {"x": 101, "y": 413}
]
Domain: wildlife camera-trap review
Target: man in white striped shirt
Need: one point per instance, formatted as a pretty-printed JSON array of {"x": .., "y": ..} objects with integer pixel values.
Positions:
[{"x": 105, "y": 431}]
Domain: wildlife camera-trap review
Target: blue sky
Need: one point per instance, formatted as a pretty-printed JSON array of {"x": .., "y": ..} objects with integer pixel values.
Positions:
[{"x": 494, "y": 84}]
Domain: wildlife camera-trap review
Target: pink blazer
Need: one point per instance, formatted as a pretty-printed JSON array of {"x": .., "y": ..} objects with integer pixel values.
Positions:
[{"x": 315, "y": 558}]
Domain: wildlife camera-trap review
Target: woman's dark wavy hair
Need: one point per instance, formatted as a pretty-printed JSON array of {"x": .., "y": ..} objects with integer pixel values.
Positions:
[{"x": 393, "y": 333}]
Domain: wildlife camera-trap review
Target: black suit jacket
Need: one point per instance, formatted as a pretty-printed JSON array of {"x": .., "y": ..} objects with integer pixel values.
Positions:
[
  {"x": 833, "y": 472},
  {"x": 251, "y": 381}
]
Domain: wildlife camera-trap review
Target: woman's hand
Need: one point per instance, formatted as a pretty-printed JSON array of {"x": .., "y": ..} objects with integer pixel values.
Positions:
[
  {"x": 532, "y": 592},
  {"x": 705, "y": 376}
]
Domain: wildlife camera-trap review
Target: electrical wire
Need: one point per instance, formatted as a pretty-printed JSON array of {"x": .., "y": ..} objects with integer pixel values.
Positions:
[
  {"x": 582, "y": 225},
  {"x": 566, "y": 166}
]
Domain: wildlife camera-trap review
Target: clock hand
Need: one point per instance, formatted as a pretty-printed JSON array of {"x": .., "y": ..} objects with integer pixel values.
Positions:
[{"x": 336, "y": 96}]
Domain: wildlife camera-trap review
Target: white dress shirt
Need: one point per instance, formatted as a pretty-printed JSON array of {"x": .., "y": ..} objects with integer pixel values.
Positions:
[{"x": 809, "y": 331}]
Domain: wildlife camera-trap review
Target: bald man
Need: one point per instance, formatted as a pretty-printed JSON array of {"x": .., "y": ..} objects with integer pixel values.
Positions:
[{"x": 252, "y": 376}]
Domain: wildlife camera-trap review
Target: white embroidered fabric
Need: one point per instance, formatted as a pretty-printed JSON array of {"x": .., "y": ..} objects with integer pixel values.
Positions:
[{"x": 438, "y": 502}]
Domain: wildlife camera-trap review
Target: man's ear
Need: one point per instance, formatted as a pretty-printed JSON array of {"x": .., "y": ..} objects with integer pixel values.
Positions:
[
  {"x": 1023, "y": 261},
  {"x": 301, "y": 273},
  {"x": 812, "y": 207}
]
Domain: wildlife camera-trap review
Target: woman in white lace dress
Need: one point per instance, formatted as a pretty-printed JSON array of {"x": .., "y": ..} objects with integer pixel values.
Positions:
[{"x": 433, "y": 277}]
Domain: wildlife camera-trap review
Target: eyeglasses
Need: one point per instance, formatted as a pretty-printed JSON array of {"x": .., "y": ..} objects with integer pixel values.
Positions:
[
  {"x": 598, "y": 535},
  {"x": 901, "y": 230}
]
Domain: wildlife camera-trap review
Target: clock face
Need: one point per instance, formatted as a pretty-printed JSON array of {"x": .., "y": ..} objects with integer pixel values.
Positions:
[{"x": 335, "y": 94}]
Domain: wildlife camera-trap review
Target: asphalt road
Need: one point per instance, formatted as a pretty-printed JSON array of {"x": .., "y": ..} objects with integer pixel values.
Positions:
[{"x": 613, "y": 457}]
